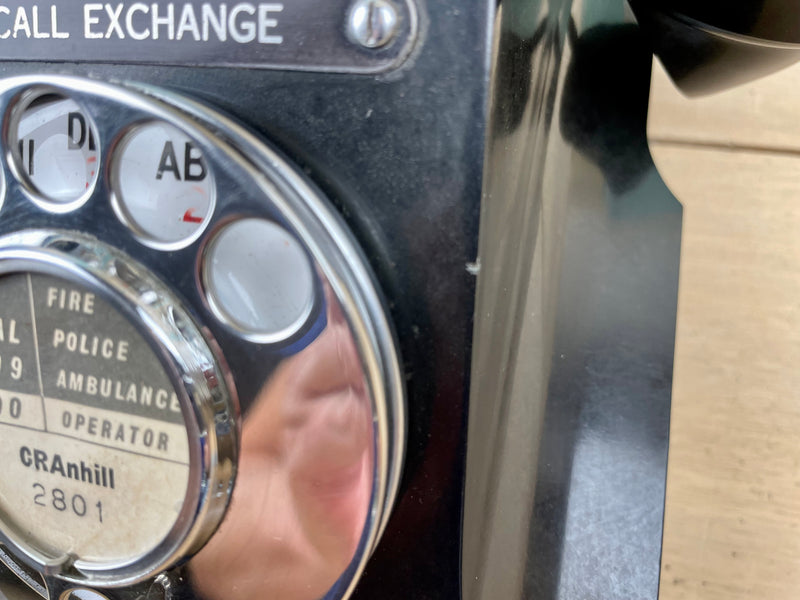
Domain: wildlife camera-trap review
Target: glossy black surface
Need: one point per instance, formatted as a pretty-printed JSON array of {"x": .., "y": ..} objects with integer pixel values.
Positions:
[
  {"x": 606, "y": 428},
  {"x": 771, "y": 20},
  {"x": 711, "y": 45},
  {"x": 580, "y": 246},
  {"x": 598, "y": 510}
]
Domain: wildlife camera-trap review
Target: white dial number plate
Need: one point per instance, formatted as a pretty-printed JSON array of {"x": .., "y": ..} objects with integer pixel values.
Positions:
[{"x": 93, "y": 442}]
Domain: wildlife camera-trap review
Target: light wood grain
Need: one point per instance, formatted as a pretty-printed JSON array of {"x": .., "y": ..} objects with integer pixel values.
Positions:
[
  {"x": 765, "y": 114},
  {"x": 732, "y": 528}
]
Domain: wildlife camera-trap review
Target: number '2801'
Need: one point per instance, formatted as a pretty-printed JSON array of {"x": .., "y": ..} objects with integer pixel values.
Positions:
[{"x": 64, "y": 502}]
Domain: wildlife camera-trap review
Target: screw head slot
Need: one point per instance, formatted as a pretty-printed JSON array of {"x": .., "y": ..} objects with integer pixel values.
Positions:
[{"x": 372, "y": 23}]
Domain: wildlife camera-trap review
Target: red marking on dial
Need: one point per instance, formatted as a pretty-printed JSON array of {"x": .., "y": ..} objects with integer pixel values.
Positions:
[{"x": 188, "y": 217}]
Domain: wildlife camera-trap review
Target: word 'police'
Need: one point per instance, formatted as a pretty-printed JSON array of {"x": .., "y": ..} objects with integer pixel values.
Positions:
[{"x": 242, "y": 22}]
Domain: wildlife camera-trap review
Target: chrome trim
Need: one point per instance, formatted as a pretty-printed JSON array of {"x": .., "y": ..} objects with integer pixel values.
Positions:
[
  {"x": 117, "y": 203},
  {"x": 342, "y": 262},
  {"x": 209, "y": 407},
  {"x": 339, "y": 261},
  {"x": 32, "y": 579},
  {"x": 13, "y": 116},
  {"x": 248, "y": 334}
]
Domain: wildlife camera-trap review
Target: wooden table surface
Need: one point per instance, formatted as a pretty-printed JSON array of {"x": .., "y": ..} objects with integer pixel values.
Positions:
[{"x": 732, "y": 527}]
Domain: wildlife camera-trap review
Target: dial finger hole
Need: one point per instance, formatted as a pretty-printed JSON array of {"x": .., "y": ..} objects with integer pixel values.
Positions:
[
  {"x": 163, "y": 188},
  {"x": 54, "y": 149},
  {"x": 259, "y": 280}
]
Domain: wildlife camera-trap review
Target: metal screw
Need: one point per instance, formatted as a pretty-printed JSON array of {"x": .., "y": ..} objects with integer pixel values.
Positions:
[{"x": 372, "y": 23}]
